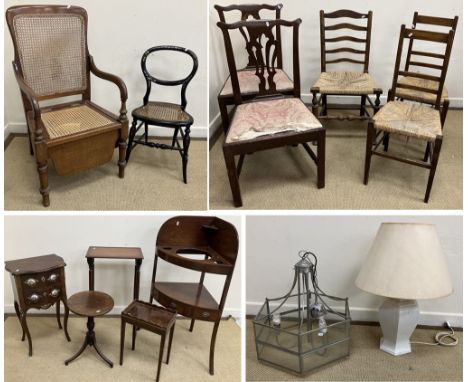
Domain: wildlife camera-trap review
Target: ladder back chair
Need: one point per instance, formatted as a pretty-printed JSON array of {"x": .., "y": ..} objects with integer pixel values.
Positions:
[
  {"x": 164, "y": 114},
  {"x": 52, "y": 61},
  {"x": 345, "y": 83},
  {"x": 410, "y": 119},
  {"x": 271, "y": 119},
  {"x": 412, "y": 61},
  {"x": 248, "y": 81}
]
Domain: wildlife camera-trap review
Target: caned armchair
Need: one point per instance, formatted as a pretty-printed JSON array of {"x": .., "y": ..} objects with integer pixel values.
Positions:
[{"x": 52, "y": 61}]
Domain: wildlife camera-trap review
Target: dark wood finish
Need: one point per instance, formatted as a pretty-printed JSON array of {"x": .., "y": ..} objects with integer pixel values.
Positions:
[
  {"x": 90, "y": 304},
  {"x": 38, "y": 282},
  {"x": 320, "y": 105},
  {"x": 180, "y": 127},
  {"x": 79, "y": 151},
  {"x": 431, "y": 155},
  {"x": 130, "y": 253},
  {"x": 202, "y": 235},
  {"x": 261, "y": 34},
  {"x": 249, "y": 12},
  {"x": 152, "y": 318}
]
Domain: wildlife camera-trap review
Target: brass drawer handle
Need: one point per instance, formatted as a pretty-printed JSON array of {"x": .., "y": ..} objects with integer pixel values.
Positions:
[
  {"x": 54, "y": 293},
  {"x": 53, "y": 277},
  {"x": 34, "y": 297},
  {"x": 206, "y": 314}
]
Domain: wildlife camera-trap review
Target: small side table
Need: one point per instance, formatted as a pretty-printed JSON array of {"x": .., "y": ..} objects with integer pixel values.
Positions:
[
  {"x": 38, "y": 282},
  {"x": 130, "y": 253},
  {"x": 152, "y": 318},
  {"x": 90, "y": 304}
]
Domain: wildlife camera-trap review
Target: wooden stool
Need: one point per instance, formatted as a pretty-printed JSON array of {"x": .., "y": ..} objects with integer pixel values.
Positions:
[
  {"x": 152, "y": 318},
  {"x": 90, "y": 304}
]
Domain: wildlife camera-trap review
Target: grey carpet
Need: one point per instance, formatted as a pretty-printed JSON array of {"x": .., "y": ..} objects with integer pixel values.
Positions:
[
  {"x": 367, "y": 362},
  {"x": 285, "y": 178},
  {"x": 188, "y": 361},
  {"x": 153, "y": 181}
]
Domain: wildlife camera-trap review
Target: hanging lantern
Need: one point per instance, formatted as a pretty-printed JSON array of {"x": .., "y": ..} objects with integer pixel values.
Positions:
[{"x": 301, "y": 331}]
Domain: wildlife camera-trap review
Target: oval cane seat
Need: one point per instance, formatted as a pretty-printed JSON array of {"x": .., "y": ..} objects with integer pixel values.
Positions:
[
  {"x": 162, "y": 112},
  {"x": 408, "y": 119}
]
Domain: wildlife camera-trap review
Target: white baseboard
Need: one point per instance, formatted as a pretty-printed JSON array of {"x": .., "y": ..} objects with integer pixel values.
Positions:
[
  {"x": 9, "y": 309},
  {"x": 214, "y": 124},
  {"x": 371, "y": 315},
  {"x": 154, "y": 131}
]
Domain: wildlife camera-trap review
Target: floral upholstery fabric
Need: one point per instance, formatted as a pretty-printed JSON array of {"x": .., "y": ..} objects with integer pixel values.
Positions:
[
  {"x": 255, "y": 119},
  {"x": 417, "y": 95},
  {"x": 248, "y": 82},
  {"x": 409, "y": 119},
  {"x": 353, "y": 83}
]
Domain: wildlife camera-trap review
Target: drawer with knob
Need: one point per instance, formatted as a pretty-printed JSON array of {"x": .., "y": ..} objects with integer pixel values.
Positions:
[
  {"x": 41, "y": 280},
  {"x": 43, "y": 298}
]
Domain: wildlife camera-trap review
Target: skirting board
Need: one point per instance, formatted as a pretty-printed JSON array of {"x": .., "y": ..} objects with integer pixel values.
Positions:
[
  {"x": 9, "y": 309},
  {"x": 369, "y": 314},
  {"x": 456, "y": 103},
  {"x": 154, "y": 131}
]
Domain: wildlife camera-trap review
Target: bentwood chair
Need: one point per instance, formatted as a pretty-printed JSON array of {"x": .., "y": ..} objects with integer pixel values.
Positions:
[
  {"x": 412, "y": 60},
  {"x": 410, "y": 119},
  {"x": 164, "y": 114},
  {"x": 345, "y": 83},
  {"x": 51, "y": 61},
  {"x": 271, "y": 119},
  {"x": 248, "y": 81}
]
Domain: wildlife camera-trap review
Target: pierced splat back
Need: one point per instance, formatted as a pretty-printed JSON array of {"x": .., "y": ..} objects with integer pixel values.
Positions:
[{"x": 263, "y": 46}]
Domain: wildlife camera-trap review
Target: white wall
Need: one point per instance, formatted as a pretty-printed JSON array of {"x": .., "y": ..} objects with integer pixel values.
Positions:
[
  {"x": 387, "y": 20},
  {"x": 119, "y": 32},
  {"x": 70, "y": 237},
  {"x": 341, "y": 244}
]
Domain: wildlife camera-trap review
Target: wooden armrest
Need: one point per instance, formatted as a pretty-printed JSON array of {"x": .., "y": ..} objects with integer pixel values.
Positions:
[
  {"x": 116, "y": 80},
  {"x": 28, "y": 92}
]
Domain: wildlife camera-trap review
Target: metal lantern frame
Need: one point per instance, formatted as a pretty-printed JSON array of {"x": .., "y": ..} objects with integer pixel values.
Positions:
[{"x": 299, "y": 332}]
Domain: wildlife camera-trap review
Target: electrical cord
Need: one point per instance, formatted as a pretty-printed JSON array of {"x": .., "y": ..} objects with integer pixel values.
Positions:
[{"x": 442, "y": 338}]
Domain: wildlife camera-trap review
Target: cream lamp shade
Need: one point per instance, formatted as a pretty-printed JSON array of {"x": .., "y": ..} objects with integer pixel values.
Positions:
[{"x": 406, "y": 262}]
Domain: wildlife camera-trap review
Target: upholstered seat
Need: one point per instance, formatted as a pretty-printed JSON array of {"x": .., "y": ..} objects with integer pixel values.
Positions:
[
  {"x": 162, "y": 112},
  {"x": 259, "y": 118},
  {"x": 416, "y": 95},
  {"x": 248, "y": 82},
  {"x": 409, "y": 119},
  {"x": 353, "y": 83},
  {"x": 73, "y": 120}
]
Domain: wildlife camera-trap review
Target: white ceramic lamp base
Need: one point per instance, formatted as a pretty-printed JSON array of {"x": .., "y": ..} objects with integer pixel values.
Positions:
[{"x": 398, "y": 319}]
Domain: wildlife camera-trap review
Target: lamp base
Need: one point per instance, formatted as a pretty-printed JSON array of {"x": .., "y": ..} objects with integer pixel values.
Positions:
[{"x": 398, "y": 319}]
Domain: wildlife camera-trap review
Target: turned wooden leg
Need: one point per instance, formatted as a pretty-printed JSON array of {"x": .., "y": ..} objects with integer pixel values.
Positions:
[
  {"x": 370, "y": 141},
  {"x": 186, "y": 144},
  {"x": 43, "y": 171},
  {"x": 435, "y": 160},
  {"x": 233, "y": 177},
  {"x": 315, "y": 105},
  {"x": 224, "y": 114},
  {"x": 122, "y": 161},
  {"x": 377, "y": 103}
]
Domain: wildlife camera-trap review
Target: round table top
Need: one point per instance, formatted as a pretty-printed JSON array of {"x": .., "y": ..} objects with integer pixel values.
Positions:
[{"x": 90, "y": 303}]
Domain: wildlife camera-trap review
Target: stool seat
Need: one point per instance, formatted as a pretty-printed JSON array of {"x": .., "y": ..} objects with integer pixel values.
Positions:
[
  {"x": 90, "y": 303},
  {"x": 150, "y": 314},
  {"x": 153, "y": 318}
]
